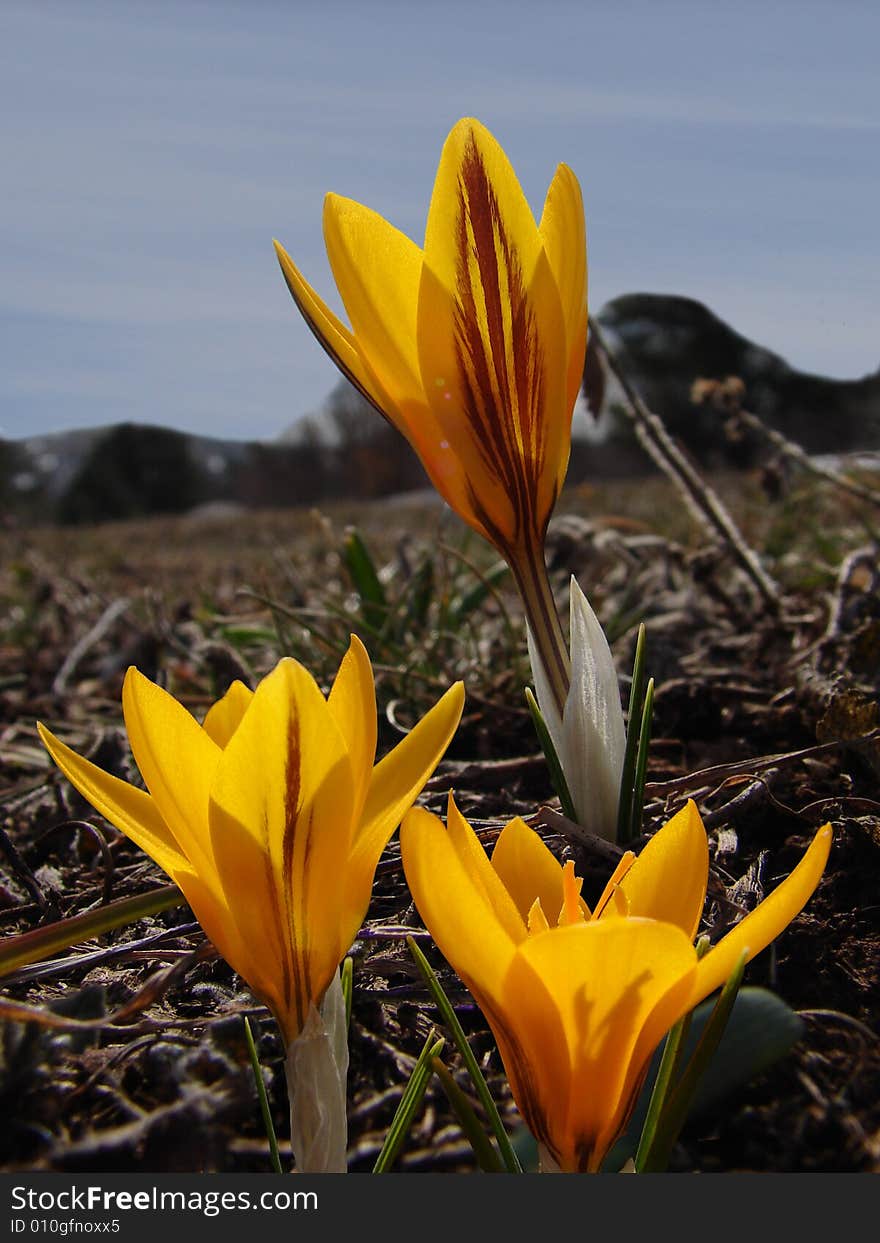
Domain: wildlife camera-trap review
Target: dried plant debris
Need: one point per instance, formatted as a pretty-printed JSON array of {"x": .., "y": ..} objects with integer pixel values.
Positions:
[{"x": 127, "y": 1052}]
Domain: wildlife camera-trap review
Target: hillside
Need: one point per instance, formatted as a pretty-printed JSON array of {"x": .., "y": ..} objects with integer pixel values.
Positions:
[{"x": 665, "y": 343}]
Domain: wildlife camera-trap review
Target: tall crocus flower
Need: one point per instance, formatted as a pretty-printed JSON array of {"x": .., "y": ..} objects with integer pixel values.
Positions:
[
  {"x": 473, "y": 347},
  {"x": 271, "y": 818},
  {"x": 589, "y": 735},
  {"x": 578, "y": 1000}
]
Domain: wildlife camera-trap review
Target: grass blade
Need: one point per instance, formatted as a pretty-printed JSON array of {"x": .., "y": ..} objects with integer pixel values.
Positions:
[
  {"x": 557, "y": 776},
  {"x": 669, "y": 1064},
  {"x": 409, "y": 1103},
  {"x": 444, "y": 1005},
  {"x": 26, "y": 947},
  {"x": 362, "y": 571},
  {"x": 638, "y": 793},
  {"x": 263, "y": 1099},
  {"x": 420, "y": 595},
  {"x": 634, "y": 714},
  {"x": 462, "y": 606},
  {"x": 487, "y": 1157},
  {"x": 346, "y": 979},
  {"x": 674, "y": 1113}
]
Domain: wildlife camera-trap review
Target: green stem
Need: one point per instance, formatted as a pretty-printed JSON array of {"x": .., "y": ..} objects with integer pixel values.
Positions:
[
  {"x": 669, "y": 1064},
  {"x": 530, "y": 572}
]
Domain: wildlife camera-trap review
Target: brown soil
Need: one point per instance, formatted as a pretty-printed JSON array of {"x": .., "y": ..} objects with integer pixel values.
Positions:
[{"x": 167, "y": 1086}]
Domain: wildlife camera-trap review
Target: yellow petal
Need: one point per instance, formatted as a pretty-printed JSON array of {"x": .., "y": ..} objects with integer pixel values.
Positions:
[
  {"x": 767, "y": 920},
  {"x": 377, "y": 271},
  {"x": 617, "y": 906},
  {"x": 563, "y": 233},
  {"x": 492, "y": 345},
  {"x": 131, "y": 810},
  {"x": 395, "y": 784},
  {"x": 177, "y": 760},
  {"x": 476, "y": 863},
  {"x": 528, "y": 1024},
  {"x": 222, "y": 930},
  {"x": 455, "y": 910},
  {"x": 616, "y": 988},
  {"x": 281, "y": 827},
  {"x": 536, "y": 919},
  {"x": 222, "y": 718},
  {"x": 352, "y": 703},
  {"x": 668, "y": 879},
  {"x": 469, "y": 151},
  {"x": 528, "y": 869},
  {"x": 332, "y": 334},
  {"x": 209, "y": 905}
]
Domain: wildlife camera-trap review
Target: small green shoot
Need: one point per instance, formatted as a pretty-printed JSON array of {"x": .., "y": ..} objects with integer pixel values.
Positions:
[
  {"x": 365, "y": 579},
  {"x": 667, "y": 1073},
  {"x": 263, "y": 1098},
  {"x": 634, "y": 714},
  {"x": 557, "y": 776},
  {"x": 462, "y": 606},
  {"x": 655, "y": 1155},
  {"x": 638, "y": 792},
  {"x": 409, "y": 1104},
  {"x": 447, "y": 1013},
  {"x": 346, "y": 979},
  {"x": 487, "y": 1157}
]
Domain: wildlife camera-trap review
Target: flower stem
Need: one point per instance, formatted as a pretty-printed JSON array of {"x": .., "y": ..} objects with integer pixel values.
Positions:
[
  {"x": 317, "y": 1067},
  {"x": 530, "y": 572}
]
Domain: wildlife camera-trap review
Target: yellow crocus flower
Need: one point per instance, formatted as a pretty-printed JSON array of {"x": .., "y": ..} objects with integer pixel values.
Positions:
[
  {"x": 473, "y": 347},
  {"x": 271, "y": 818},
  {"x": 579, "y": 1000}
]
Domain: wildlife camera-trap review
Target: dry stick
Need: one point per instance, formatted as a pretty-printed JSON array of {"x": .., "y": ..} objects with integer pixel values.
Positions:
[
  {"x": 663, "y": 789},
  {"x": 113, "y": 610},
  {"x": 859, "y": 558},
  {"x": 700, "y": 497},
  {"x": 791, "y": 449}
]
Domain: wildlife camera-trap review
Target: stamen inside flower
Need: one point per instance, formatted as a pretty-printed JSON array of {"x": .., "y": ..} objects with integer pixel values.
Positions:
[
  {"x": 611, "y": 892},
  {"x": 572, "y": 911}
]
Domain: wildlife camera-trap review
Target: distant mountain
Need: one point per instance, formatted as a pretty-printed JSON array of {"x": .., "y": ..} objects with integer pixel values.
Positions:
[
  {"x": 664, "y": 343},
  {"x": 129, "y": 470}
]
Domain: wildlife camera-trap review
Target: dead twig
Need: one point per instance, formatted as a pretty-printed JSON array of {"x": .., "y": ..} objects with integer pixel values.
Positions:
[
  {"x": 94, "y": 958},
  {"x": 100, "y": 841},
  {"x": 790, "y": 449},
  {"x": 701, "y": 499},
  {"x": 662, "y": 789},
  {"x": 113, "y": 610}
]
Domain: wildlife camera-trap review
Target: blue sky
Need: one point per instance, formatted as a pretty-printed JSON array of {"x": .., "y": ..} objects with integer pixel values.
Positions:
[{"x": 150, "y": 152}]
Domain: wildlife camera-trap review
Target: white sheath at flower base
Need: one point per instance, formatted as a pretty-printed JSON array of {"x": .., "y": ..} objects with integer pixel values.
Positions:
[
  {"x": 590, "y": 739},
  {"x": 317, "y": 1069}
]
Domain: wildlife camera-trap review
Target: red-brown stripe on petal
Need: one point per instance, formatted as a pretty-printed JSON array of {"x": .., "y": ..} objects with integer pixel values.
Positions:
[
  {"x": 288, "y": 903},
  {"x": 499, "y": 356},
  {"x": 297, "y": 840}
]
